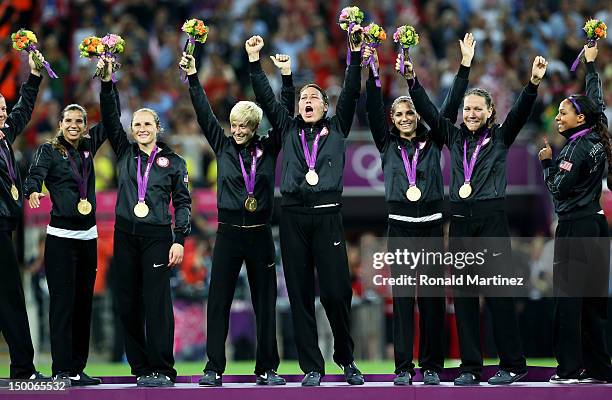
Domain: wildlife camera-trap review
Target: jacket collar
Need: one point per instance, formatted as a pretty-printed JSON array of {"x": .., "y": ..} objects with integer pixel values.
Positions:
[{"x": 569, "y": 132}]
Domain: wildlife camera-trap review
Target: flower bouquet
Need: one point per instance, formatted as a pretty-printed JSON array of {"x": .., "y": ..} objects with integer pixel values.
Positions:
[
  {"x": 26, "y": 40},
  {"x": 595, "y": 30},
  {"x": 196, "y": 32},
  {"x": 349, "y": 17},
  {"x": 374, "y": 35},
  {"x": 406, "y": 36}
]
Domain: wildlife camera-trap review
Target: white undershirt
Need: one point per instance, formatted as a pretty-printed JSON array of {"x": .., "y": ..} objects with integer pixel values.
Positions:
[{"x": 91, "y": 233}]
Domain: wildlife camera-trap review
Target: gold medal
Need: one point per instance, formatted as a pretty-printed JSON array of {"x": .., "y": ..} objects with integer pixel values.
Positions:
[
  {"x": 413, "y": 193},
  {"x": 312, "y": 178},
  {"x": 465, "y": 190},
  {"x": 14, "y": 192},
  {"x": 141, "y": 209},
  {"x": 250, "y": 204},
  {"x": 84, "y": 207}
]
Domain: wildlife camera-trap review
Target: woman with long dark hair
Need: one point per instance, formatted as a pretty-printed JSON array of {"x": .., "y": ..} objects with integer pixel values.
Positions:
[{"x": 582, "y": 246}]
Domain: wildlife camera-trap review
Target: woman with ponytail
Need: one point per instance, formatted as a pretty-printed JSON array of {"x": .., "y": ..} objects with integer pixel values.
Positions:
[
  {"x": 479, "y": 149},
  {"x": 582, "y": 246},
  {"x": 65, "y": 165}
]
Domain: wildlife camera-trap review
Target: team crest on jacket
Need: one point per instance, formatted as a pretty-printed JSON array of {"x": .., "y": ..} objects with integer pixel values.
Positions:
[
  {"x": 162, "y": 162},
  {"x": 86, "y": 153},
  {"x": 566, "y": 165},
  {"x": 324, "y": 131},
  {"x": 258, "y": 152}
]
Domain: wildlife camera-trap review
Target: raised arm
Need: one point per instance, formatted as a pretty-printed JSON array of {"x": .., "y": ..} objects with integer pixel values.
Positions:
[
  {"x": 375, "y": 108},
  {"x": 206, "y": 118},
  {"x": 441, "y": 129},
  {"x": 97, "y": 134},
  {"x": 287, "y": 96},
  {"x": 347, "y": 101},
  {"x": 521, "y": 110},
  {"x": 593, "y": 84},
  {"x": 454, "y": 97},
  {"x": 277, "y": 114},
  {"x": 21, "y": 113},
  {"x": 110, "y": 114}
]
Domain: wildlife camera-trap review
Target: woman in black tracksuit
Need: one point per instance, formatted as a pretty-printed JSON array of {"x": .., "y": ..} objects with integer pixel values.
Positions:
[
  {"x": 477, "y": 193},
  {"x": 244, "y": 233},
  {"x": 415, "y": 217},
  {"x": 311, "y": 228},
  {"x": 582, "y": 245},
  {"x": 150, "y": 175},
  {"x": 13, "y": 317},
  {"x": 66, "y": 166}
]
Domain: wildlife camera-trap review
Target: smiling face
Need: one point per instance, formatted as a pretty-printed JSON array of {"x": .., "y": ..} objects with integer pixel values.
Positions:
[
  {"x": 567, "y": 117},
  {"x": 475, "y": 112},
  {"x": 144, "y": 127},
  {"x": 73, "y": 125},
  {"x": 311, "y": 105},
  {"x": 405, "y": 118},
  {"x": 241, "y": 132},
  {"x": 3, "y": 113}
]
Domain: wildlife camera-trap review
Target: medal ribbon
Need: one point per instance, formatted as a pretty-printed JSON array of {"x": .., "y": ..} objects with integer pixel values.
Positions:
[
  {"x": 6, "y": 156},
  {"x": 249, "y": 179},
  {"x": 81, "y": 180},
  {"x": 143, "y": 181},
  {"x": 311, "y": 159},
  {"x": 410, "y": 169},
  {"x": 469, "y": 168}
]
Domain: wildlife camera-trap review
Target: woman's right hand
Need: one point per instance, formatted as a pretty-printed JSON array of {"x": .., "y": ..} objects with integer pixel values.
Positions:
[
  {"x": 367, "y": 52},
  {"x": 590, "y": 53},
  {"x": 253, "y": 46},
  {"x": 105, "y": 63},
  {"x": 468, "y": 44},
  {"x": 34, "y": 199},
  {"x": 408, "y": 68},
  {"x": 187, "y": 64}
]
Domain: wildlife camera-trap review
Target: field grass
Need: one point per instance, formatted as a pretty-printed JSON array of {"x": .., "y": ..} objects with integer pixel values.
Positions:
[{"x": 246, "y": 367}]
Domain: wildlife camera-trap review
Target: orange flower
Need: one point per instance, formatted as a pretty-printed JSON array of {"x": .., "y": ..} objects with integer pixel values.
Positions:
[
  {"x": 598, "y": 32},
  {"x": 382, "y": 35}
]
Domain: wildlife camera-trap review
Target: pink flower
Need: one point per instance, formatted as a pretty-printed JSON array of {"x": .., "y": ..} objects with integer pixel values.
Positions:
[
  {"x": 344, "y": 14},
  {"x": 110, "y": 40}
]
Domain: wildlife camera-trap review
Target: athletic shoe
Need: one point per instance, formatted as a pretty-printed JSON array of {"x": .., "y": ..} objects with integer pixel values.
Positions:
[
  {"x": 61, "y": 377},
  {"x": 430, "y": 377},
  {"x": 352, "y": 375},
  {"x": 467, "y": 379},
  {"x": 557, "y": 379},
  {"x": 270, "y": 378},
  {"x": 312, "y": 379},
  {"x": 82, "y": 379},
  {"x": 403, "y": 379},
  {"x": 585, "y": 378},
  {"x": 505, "y": 377},
  {"x": 210, "y": 378},
  {"x": 157, "y": 379},
  {"x": 143, "y": 379},
  {"x": 38, "y": 376}
]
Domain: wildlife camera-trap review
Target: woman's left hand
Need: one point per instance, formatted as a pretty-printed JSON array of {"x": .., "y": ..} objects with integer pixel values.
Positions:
[{"x": 176, "y": 255}]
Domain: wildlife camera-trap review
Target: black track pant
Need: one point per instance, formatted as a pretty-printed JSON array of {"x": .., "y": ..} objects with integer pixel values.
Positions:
[
  {"x": 431, "y": 309},
  {"x": 579, "y": 334},
  {"x": 143, "y": 302},
  {"x": 70, "y": 266},
  {"x": 254, "y": 247},
  {"x": 467, "y": 310},
  {"x": 13, "y": 317},
  {"x": 315, "y": 238}
]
